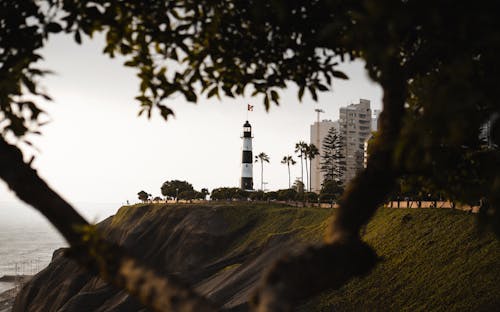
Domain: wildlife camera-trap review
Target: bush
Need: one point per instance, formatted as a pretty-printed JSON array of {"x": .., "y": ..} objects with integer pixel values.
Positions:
[
  {"x": 229, "y": 193},
  {"x": 311, "y": 197},
  {"x": 287, "y": 194},
  {"x": 271, "y": 195},
  {"x": 258, "y": 195},
  {"x": 330, "y": 191}
]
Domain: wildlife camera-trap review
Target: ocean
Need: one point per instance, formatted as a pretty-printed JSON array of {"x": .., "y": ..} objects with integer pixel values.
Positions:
[{"x": 28, "y": 240}]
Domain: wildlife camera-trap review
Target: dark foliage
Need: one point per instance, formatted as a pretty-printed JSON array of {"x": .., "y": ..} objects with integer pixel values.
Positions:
[
  {"x": 143, "y": 196},
  {"x": 333, "y": 163},
  {"x": 229, "y": 193},
  {"x": 436, "y": 62},
  {"x": 330, "y": 191},
  {"x": 175, "y": 187}
]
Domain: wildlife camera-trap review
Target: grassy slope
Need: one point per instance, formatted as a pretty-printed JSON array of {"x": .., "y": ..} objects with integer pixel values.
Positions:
[
  {"x": 434, "y": 260},
  {"x": 304, "y": 223}
]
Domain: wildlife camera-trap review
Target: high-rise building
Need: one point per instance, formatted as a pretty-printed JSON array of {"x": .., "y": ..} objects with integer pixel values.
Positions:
[
  {"x": 318, "y": 132},
  {"x": 355, "y": 127}
]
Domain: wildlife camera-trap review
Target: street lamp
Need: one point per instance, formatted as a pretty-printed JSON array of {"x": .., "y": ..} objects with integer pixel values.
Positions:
[{"x": 177, "y": 195}]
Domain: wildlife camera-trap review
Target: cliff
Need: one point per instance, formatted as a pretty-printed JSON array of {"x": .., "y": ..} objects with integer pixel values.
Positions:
[{"x": 223, "y": 249}]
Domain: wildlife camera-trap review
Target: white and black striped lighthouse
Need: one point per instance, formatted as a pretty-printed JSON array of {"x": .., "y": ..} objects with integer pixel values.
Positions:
[{"x": 246, "y": 161}]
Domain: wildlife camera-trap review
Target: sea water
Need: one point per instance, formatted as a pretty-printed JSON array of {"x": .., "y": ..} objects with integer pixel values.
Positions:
[{"x": 28, "y": 240}]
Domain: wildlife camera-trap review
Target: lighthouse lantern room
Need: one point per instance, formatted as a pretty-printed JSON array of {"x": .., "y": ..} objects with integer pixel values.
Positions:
[{"x": 246, "y": 162}]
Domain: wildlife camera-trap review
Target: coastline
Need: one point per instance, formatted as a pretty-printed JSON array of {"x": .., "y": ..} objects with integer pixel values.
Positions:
[
  {"x": 10, "y": 285},
  {"x": 7, "y": 299}
]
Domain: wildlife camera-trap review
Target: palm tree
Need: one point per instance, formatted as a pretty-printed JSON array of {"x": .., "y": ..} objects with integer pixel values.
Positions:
[
  {"x": 288, "y": 160},
  {"x": 299, "y": 148},
  {"x": 311, "y": 153},
  {"x": 305, "y": 151},
  {"x": 262, "y": 157}
]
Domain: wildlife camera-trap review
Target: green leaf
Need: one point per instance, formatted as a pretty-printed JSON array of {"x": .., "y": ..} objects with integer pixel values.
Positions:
[
  {"x": 213, "y": 91},
  {"x": 53, "y": 27},
  {"x": 339, "y": 74},
  {"x": 275, "y": 97},
  {"x": 266, "y": 102},
  {"x": 78, "y": 37},
  {"x": 301, "y": 92},
  {"x": 313, "y": 93},
  {"x": 322, "y": 87},
  {"x": 165, "y": 112},
  {"x": 29, "y": 84},
  {"x": 190, "y": 95}
]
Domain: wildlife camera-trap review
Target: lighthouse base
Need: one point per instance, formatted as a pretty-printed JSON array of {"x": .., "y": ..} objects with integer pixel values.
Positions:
[{"x": 247, "y": 184}]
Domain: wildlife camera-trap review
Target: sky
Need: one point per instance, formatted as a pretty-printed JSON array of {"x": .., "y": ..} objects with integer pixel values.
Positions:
[{"x": 97, "y": 150}]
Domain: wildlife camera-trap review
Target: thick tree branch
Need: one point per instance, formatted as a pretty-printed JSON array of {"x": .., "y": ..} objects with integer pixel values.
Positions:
[
  {"x": 369, "y": 189},
  {"x": 344, "y": 255},
  {"x": 296, "y": 278},
  {"x": 111, "y": 261}
]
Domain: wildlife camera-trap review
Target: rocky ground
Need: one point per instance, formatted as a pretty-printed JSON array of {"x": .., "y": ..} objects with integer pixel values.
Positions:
[
  {"x": 207, "y": 246},
  {"x": 7, "y": 300},
  {"x": 7, "y": 297}
]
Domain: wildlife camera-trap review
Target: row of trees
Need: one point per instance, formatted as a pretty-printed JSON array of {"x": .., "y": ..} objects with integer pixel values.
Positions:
[
  {"x": 332, "y": 164},
  {"x": 184, "y": 190},
  {"x": 175, "y": 189},
  {"x": 290, "y": 194},
  {"x": 306, "y": 152}
]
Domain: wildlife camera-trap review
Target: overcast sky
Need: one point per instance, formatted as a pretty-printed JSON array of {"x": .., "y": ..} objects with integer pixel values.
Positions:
[{"x": 96, "y": 149}]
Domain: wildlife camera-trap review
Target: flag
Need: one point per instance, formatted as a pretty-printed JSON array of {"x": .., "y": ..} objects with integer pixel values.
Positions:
[{"x": 250, "y": 107}]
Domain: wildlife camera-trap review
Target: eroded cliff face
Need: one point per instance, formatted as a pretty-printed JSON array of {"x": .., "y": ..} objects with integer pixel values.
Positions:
[
  {"x": 208, "y": 246},
  {"x": 433, "y": 259}
]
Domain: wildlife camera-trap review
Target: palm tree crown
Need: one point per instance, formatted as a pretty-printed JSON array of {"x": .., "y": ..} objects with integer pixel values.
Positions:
[{"x": 262, "y": 157}]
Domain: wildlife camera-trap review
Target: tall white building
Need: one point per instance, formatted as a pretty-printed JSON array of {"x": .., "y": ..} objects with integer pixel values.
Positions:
[
  {"x": 318, "y": 133},
  {"x": 355, "y": 127}
]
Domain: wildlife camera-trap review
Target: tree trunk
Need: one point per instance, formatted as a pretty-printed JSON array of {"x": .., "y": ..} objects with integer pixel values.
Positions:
[
  {"x": 261, "y": 175},
  {"x": 289, "y": 182},
  {"x": 310, "y": 175},
  {"x": 109, "y": 260},
  {"x": 301, "y": 169},
  {"x": 307, "y": 176},
  {"x": 344, "y": 255}
]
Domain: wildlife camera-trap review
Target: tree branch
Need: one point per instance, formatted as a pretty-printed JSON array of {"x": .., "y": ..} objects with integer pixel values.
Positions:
[
  {"x": 344, "y": 255},
  {"x": 369, "y": 189},
  {"x": 111, "y": 261},
  {"x": 295, "y": 278}
]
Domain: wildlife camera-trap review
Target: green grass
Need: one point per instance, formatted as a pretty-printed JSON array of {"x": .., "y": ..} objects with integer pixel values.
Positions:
[
  {"x": 434, "y": 260},
  {"x": 268, "y": 220}
]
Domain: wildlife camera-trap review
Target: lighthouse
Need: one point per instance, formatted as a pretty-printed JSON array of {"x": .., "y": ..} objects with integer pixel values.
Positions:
[{"x": 246, "y": 161}]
